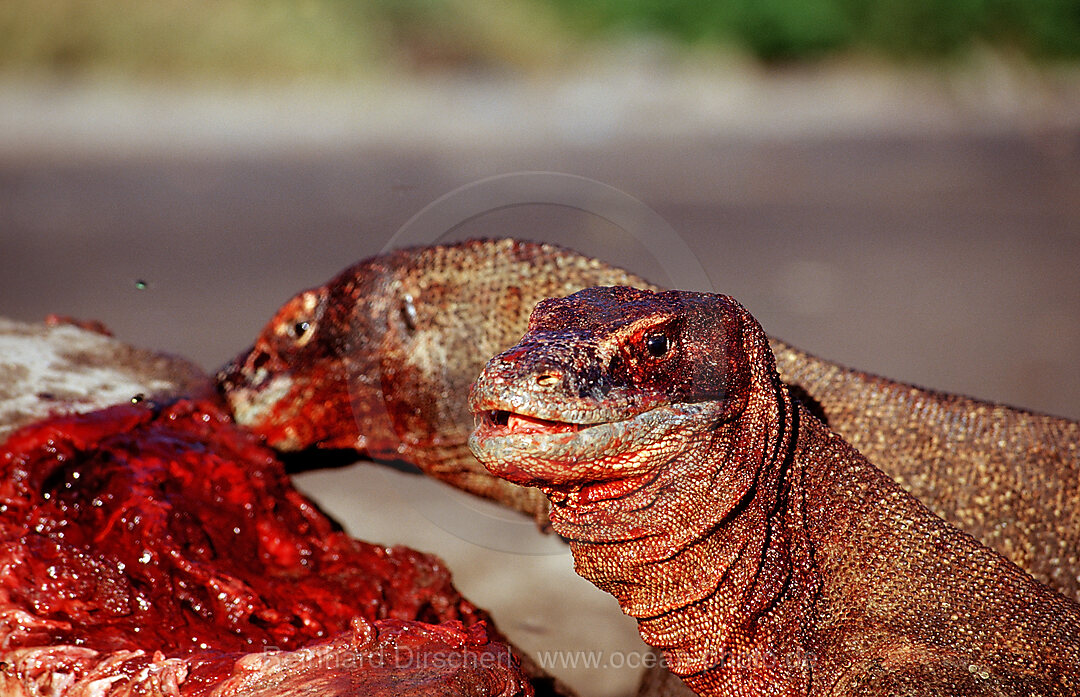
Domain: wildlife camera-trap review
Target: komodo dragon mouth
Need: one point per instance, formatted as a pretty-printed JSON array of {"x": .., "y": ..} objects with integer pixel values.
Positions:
[
  {"x": 513, "y": 422},
  {"x": 556, "y": 439},
  {"x": 498, "y": 414},
  {"x": 555, "y": 442},
  {"x": 582, "y": 462}
]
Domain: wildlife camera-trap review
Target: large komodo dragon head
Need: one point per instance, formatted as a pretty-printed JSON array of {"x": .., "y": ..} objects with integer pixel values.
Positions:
[
  {"x": 380, "y": 358},
  {"x": 609, "y": 385}
]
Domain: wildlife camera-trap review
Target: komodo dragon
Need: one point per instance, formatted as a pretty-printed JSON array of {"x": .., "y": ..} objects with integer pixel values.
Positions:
[
  {"x": 379, "y": 359},
  {"x": 757, "y": 549}
]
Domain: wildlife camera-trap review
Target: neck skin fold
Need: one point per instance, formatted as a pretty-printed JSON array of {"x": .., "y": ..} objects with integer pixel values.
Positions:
[{"x": 705, "y": 556}]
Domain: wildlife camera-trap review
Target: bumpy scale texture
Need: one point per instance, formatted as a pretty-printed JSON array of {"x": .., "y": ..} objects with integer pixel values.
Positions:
[
  {"x": 380, "y": 359},
  {"x": 757, "y": 549},
  {"x": 148, "y": 550}
]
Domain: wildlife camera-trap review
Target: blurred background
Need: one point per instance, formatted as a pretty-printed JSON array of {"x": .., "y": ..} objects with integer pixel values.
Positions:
[{"x": 894, "y": 184}]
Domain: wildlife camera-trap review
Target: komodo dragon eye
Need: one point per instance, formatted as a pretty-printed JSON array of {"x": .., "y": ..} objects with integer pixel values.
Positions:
[
  {"x": 408, "y": 312},
  {"x": 298, "y": 321},
  {"x": 301, "y": 331},
  {"x": 657, "y": 345}
]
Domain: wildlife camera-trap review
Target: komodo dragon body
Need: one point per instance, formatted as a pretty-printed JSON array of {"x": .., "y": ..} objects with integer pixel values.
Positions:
[
  {"x": 757, "y": 549},
  {"x": 380, "y": 358}
]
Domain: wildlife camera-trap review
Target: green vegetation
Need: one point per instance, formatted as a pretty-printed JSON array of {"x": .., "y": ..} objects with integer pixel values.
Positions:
[
  {"x": 793, "y": 29},
  {"x": 284, "y": 38}
]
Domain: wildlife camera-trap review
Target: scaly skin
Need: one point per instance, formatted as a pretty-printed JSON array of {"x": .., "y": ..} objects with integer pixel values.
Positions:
[
  {"x": 380, "y": 359},
  {"x": 756, "y": 548},
  {"x": 392, "y": 344},
  {"x": 1009, "y": 477}
]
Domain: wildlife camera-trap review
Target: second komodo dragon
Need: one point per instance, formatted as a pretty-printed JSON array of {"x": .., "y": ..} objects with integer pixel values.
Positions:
[
  {"x": 756, "y": 548},
  {"x": 379, "y": 359}
]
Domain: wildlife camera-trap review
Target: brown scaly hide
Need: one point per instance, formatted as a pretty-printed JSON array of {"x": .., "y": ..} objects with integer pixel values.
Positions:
[
  {"x": 1009, "y": 477},
  {"x": 380, "y": 358},
  {"x": 761, "y": 552}
]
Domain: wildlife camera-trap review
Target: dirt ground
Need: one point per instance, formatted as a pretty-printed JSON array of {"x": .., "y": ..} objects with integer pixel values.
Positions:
[{"x": 897, "y": 227}]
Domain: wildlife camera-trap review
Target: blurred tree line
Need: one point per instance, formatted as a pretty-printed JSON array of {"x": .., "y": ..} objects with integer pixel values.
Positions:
[
  {"x": 793, "y": 29},
  {"x": 343, "y": 37}
]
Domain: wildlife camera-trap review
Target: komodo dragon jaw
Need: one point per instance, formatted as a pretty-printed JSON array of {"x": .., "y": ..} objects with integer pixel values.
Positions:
[{"x": 594, "y": 460}]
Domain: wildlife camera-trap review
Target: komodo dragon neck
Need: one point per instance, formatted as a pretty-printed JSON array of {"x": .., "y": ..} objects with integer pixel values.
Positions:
[
  {"x": 1009, "y": 477},
  {"x": 756, "y": 548}
]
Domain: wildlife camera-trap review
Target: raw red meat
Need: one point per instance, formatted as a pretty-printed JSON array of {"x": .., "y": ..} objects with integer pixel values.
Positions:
[{"x": 148, "y": 550}]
